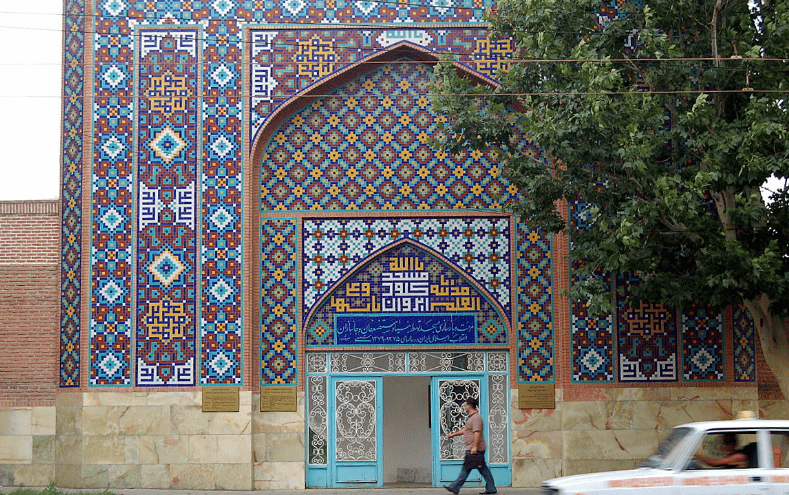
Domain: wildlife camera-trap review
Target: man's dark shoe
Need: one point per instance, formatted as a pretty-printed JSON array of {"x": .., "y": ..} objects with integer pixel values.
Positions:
[
  {"x": 487, "y": 493},
  {"x": 450, "y": 490}
]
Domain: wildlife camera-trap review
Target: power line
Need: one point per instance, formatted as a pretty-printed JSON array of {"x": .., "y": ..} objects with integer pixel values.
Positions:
[
  {"x": 462, "y": 58},
  {"x": 475, "y": 95}
]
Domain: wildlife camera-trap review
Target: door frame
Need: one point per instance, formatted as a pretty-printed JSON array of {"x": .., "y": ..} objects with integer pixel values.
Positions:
[
  {"x": 341, "y": 469},
  {"x": 324, "y": 475}
]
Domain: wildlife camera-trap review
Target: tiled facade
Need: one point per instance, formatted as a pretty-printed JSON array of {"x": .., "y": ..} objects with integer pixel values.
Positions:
[{"x": 253, "y": 180}]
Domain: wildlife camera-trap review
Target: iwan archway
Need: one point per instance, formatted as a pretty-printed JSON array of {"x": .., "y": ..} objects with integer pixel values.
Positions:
[
  {"x": 393, "y": 352},
  {"x": 388, "y": 288}
]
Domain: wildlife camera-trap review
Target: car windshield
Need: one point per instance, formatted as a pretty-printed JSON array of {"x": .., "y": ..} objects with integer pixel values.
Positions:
[{"x": 666, "y": 453}]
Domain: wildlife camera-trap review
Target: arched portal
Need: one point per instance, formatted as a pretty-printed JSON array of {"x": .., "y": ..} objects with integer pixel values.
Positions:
[{"x": 386, "y": 265}]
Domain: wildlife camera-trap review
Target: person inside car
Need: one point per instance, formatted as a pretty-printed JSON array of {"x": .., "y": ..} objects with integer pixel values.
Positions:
[{"x": 734, "y": 459}]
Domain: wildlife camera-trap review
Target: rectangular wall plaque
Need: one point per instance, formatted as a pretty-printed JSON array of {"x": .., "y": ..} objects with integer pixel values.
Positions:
[
  {"x": 220, "y": 399},
  {"x": 405, "y": 329},
  {"x": 278, "y": 399},
  {"x": 536, "y": 396}
]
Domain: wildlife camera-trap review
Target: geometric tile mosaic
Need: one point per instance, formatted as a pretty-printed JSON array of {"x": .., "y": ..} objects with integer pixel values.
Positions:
[
  {"x": 167, "y": 171},
  {"x": 417, "y": 289},
  {"x": 647, "y": 337},
  {"x": 478, "y": 247},
  {"x": 702, "y": 344},
  {"x": 591, "y": 338},
  {"x": 744, "y": 336},
  {"x": 285, "y": 61},
  {"x": 535, "y": 305},
  {"x": 278, "y": 352},
  {"x": 71, "y": 192},
  {"x": 367, "y": 147}
]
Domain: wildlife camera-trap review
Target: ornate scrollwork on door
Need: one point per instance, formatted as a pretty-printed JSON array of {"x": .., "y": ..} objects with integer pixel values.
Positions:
[
  {"x": 317, "y": 420},
  {"x": 497, "y": 419},
  {"x": 451, "y": 396},
  {"x": 355, "y": 405}
]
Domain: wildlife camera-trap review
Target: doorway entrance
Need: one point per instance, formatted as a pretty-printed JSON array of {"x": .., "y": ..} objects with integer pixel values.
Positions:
[
  {"x": 382, "y": 418},
  {"x": 407, "y": 424}
]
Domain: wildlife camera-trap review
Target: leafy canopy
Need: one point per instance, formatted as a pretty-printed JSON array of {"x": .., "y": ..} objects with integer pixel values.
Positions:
[{"x": 666, "y": 116}]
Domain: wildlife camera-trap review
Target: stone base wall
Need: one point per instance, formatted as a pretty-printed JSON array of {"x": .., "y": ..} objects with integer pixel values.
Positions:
[
  {"x": 163, "y": 440},
  {"x": 159, "y": 440}
]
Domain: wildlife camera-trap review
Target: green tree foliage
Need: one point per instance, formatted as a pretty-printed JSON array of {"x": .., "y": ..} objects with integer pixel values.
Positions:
[{"x": 667, "y": 116}]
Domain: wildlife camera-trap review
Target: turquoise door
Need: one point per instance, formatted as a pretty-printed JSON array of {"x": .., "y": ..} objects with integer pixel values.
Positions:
[
  {"x": 356, "y": 433},
  {"x": 447, "y": 397}
]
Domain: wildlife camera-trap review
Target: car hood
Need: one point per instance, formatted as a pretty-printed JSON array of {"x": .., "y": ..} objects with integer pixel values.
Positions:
[{"x": 641, "y": 477}]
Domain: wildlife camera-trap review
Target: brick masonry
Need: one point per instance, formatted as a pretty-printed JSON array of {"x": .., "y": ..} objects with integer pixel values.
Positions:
[{"x": 29, "y": 302}]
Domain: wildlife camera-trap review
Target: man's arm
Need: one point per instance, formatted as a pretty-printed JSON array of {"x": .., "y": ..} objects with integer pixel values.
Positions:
[{"x": 475, "y": 442}]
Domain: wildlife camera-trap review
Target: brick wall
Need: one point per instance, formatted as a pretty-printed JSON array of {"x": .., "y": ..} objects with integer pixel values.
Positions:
[{"x": 29, "y": 302}]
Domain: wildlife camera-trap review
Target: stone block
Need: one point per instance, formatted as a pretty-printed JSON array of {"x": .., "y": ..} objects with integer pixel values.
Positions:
[
  {"x": 233, "y": 476},
  {"x": 619, "y": 415},
  {"x": 69, "y": 420},
  {"x": 145, "y": 420},
  {"x": 191, "y": 420},
  {"x": 95, "y": 476},
  {"x": 202, "y": 449},
  {"x": 284, "y": 447},
  {"x": 34, "y": 475},
  {"x": 774, "y": 409},
  {"x": 245, "y": 399},
  {"x": 584, "y": 416},
  {"x": 108, "y": 449},
  {"x": 645, "y": 414},
  {"x": 169, "y": 449},
  {"x": 16, "y": 449},
  {"x": 100, "y": 420},
  {"x": 572, "y": 467},
  {"x": 43, "y": 420},
  {"x": 131, "y": 449},
  {"x": 536, "y": 419},
  {"x": 155, "y": 476},
  {"x": 15, "y": 421},
  {"x": 124, "y": 476},
  {"x": 192, "y": 477},
  {"x": 236, "y": 449},
  {"x": 609, "y": 444},
  {"x": 279, "y": 476},
  {"x": 45, "y": 449},
  {"x": 117, "y": 399},
  {"x": 537, "y": 444},
  {"x": 278, "y": 422},
  {"x": 190, "y": 398},
  {"x": 7, "y": 474},
  {"x": 69, "y": 450},
  {"x": 746, "y": 392},
  {"x": 639, "y": 445},
  {"x": 529, "y": 473},
  {"x": 258, "y": 447},
  {"x": 69, "y": 476},
  {"x": 701, "y": 393},
  {"x": 673, "y": 413}
]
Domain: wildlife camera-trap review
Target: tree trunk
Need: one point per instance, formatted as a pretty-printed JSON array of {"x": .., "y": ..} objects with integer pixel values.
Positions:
[{"x": 774, "y": 339}]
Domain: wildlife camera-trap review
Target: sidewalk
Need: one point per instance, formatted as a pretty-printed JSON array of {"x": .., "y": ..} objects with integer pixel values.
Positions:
[{"x": 361, "y": 491}]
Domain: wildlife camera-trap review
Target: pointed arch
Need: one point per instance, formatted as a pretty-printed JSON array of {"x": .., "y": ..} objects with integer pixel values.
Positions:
[
  {"x": 401, "y": 50},
  {"x": 443, "y": 289}
]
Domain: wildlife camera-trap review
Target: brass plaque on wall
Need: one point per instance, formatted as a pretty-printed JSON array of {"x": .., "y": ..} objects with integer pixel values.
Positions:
[
  {"x": 536, "y": 396},
  {"x": 278, "y": 399},
  {"x": 220, "y": 399}
]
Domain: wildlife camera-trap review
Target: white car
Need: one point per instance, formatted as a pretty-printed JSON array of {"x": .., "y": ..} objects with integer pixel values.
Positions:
[{"x": 741, "y": 456}]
